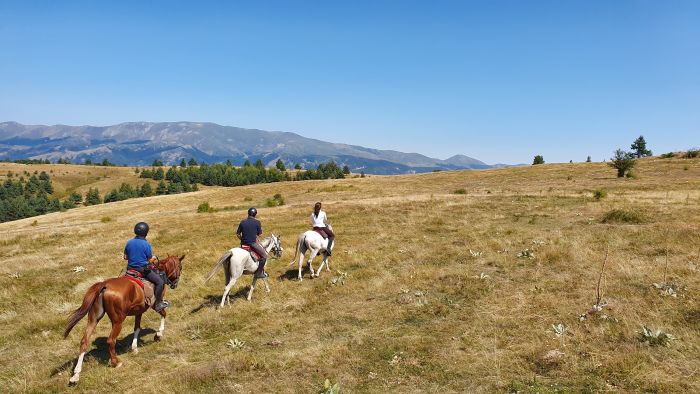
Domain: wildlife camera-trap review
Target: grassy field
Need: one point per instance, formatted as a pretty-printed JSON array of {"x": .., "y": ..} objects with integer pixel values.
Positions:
[{"x": 427, "y": 292}]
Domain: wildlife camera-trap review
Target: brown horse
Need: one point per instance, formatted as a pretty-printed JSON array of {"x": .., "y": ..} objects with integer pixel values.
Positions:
[{"x": 118, "y": 298}]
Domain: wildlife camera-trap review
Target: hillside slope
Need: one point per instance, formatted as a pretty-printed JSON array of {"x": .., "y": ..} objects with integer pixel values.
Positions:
[
  {"x": 68, "y": 178},
  {"x": 435, "y": 298}
]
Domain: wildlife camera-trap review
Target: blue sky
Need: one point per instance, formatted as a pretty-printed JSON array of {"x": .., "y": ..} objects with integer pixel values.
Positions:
[{"x": 500, "y": 81}]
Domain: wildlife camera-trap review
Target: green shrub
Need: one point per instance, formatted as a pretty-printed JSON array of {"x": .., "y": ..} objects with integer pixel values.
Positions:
[
  {"x": 275, "y": 201},
  {"x": 204, "y": 207},
  {"x": 599, "y": 194},
  {"x": 106, "y": 219},
  {"x": 247, "y": 198},
  {"x": 631, "y": 175},
  {"x": 623, "y": 216},
  {"x": 668, "y": 155},
  {"x": 692, "y": 153},
  {"x": 460, "y": 191}
]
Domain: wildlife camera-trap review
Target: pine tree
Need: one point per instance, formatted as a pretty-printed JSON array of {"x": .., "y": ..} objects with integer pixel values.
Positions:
[
  {"x": 192, "y": 162},
  {"x": 346, "y": 170},
  {"x": 280, "y": 165},
  {"x": 146, "y": 190},
  {"x": 182, "y": 163},
  {"x": 157, "y": 163},
  {"x": 588, "y": 159},
  {"x": 92, "y": 197},
  {"x": 158, "y": 174},
  {"x": 297, "y": 166},
  {"x": 162, "y": 188},
  {"x": 538, "y": 160},
  {"x": 639, "y": 147}
]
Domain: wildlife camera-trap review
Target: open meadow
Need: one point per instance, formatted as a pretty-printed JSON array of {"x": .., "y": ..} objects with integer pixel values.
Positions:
[{"x": 460, "y": 281}]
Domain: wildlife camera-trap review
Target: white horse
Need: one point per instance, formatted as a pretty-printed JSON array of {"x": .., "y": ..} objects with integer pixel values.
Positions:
[
  {"x": 313, "y": 241},
  {"x": 237, "y": 262}
]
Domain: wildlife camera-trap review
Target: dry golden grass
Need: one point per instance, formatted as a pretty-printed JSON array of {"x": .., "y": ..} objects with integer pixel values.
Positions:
[{"x": 420, "y": 309}]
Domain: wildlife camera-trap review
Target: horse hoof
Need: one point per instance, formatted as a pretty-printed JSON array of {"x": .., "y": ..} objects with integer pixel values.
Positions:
[
  {"x": 72, "y": 383},
  {"x": 157, "y": 338},
  {"x": 135, "y": 350},
  {"x": 119, "y": 364}
]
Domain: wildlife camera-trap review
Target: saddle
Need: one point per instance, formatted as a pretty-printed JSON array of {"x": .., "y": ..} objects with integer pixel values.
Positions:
[
  {"x": 255, "y": 255},
  {"x": 149, "y": 294}
]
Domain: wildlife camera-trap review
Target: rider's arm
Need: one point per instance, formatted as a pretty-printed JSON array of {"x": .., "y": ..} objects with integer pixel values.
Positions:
[{"x": 239, "y": 232}]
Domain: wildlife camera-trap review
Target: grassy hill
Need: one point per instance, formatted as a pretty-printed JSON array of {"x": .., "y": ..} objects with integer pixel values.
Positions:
[
  {"x": 67, "y": 178},
  {"x": 434, "y": 297}
]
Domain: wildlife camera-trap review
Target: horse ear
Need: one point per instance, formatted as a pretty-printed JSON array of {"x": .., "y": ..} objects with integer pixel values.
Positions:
[{"x": 182, "y": 258}]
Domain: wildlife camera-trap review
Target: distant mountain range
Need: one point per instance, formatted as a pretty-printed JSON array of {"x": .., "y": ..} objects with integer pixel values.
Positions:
[{"x": 140, "y": 143}]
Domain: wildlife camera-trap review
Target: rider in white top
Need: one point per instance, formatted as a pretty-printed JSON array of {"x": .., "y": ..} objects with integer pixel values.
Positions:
[{"x": 318, "y": 221}]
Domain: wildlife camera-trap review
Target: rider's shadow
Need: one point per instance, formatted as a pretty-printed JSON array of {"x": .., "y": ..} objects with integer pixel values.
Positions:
[{"x": 100, "y": 350}]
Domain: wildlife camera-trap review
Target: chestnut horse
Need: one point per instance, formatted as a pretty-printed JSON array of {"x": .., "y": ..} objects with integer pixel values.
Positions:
[{"x": 118, "y": 298}]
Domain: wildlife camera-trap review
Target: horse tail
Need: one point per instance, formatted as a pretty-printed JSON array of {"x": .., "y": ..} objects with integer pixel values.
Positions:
[
  {"x": 300, "y": 240},
  {"x": 88, "y": 301},
  {"x": 218, "y": 264}
]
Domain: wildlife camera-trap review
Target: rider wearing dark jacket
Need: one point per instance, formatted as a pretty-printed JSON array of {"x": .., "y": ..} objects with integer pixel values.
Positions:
[
  {"x": 140, "y": 256},
  {"x": 248, "y": 231}
]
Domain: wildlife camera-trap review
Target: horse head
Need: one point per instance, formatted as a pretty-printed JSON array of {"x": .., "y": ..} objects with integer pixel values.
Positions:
[
  {"x": 172, "y": 266},
  {"x": 276, "y": 241}
]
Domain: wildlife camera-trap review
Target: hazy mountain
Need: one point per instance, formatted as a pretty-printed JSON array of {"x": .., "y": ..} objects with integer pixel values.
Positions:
[{"x": 139, "y": 143}]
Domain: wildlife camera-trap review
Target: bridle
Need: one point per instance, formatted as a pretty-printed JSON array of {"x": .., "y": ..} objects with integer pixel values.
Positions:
[
  {"x": 168, "y": 281},
  {"x": 276, "y": 246}
]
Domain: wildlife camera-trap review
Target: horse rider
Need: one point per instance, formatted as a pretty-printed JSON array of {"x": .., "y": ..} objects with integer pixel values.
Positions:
[
  {"x": 248, "y": 231},
  {"x": 319, "y": 222},
  {"x": 140, "y": 256}
]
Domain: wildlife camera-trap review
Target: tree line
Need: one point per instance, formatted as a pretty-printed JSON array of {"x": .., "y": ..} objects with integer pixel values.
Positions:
[{"x": 249, "y": 174}]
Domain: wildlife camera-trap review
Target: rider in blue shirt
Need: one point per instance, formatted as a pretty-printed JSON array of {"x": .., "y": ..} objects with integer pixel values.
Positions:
[{"x": 140, "y": 256}]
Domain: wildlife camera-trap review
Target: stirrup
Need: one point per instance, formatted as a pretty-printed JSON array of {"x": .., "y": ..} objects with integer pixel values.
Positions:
[
  {"x": 261, "y": 276},
  {"x": 161, "y": 305}
]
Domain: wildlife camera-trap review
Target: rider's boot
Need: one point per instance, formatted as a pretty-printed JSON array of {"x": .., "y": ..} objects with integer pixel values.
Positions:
[
  {"x": 160, "y": 302},
  {"x": 330, "y": 246},
  {"x": 260, "y": 272}
]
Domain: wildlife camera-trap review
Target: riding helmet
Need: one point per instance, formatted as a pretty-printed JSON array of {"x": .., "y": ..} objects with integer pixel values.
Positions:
[
  {"x": 252, "y": 212},
  {"x": 141, "y": 229}
]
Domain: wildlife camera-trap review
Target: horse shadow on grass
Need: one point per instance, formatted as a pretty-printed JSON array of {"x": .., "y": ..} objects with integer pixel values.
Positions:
[
  {"x": 293, "y": 274},
  {"x": 215, "y": 300},
  {"x": 100, "y": 350}
]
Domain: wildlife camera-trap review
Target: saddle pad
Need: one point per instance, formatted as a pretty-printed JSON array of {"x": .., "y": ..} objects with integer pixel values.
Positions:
[
  {"x": 148, "y": 294},
  {"x": 135, "y": 280},
  {"x": 252, "y": 252}
]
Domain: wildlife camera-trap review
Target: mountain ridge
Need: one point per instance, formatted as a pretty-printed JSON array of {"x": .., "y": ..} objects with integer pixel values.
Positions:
[{"x": 140, "y": 143}]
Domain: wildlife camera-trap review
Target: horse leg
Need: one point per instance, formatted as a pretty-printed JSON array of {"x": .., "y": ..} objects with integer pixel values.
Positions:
[
  {"x": 313, "y": 254},
  {"x": 252, "y": 287},
  {"x": 137, "y": 329},
  {"x": 159, "y": 334},
  {"x": 94, "y": 316},
  {"x": 112, "y": 341},
  {"x": 267, "y": 285},
  {"x": 227, "y": 290},
  {"x": 323, "y": 262},
  {"x": 301, "y": 260}
]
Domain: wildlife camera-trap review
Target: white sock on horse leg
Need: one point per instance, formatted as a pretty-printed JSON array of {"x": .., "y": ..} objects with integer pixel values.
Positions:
[
  {"x": 135, "y": 342},
  {"x": 78, "y": 368},
  {"x": 162, "y": 327}
]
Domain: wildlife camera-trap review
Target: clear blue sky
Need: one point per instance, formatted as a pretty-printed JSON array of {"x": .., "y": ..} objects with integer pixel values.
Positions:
[{"x": 500, "y": 81}]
